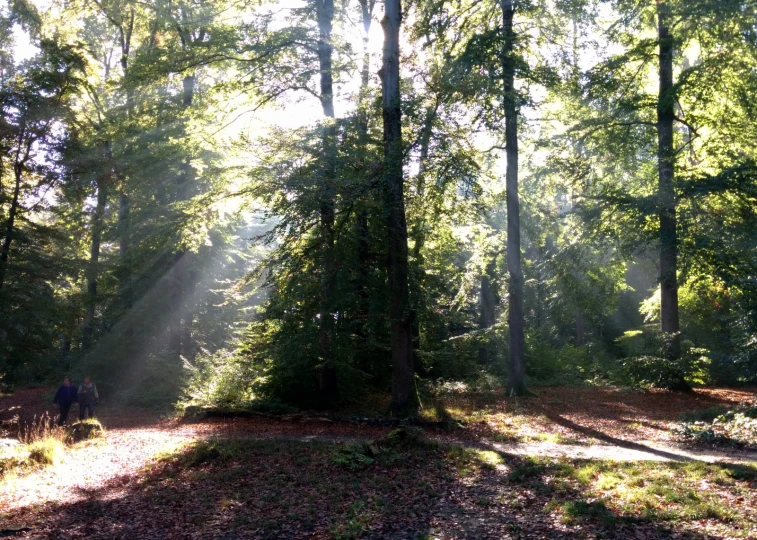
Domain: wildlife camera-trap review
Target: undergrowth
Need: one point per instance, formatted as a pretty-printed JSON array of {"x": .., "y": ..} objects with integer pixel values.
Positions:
[
  {"x": 43, "y": 443},
  {"x": 395, "y": 483},
  {"x": 720, "y": 426}
]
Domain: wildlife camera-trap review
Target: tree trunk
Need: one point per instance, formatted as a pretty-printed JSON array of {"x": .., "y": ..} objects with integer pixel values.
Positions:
[
  {"x": 418, "y": 231},
  {"x": 362, "y": 230},
  {"x": 327, "y": 372},
  {"x": 366, "y": 10},
  {"x": 579, "y": 327},
  {"x": 397, "y": 257},
  {"x": 183, "y": 278},
  {"x": 93, "y": 266},
  {"x": 65, "y": 346},
  {"x": 124, "y": 206},
  {"x": 487, "y": 306},
  {"x": 10, "y": 223},
  {"x": 666, "y": 192},
  {"x": 123, "y": 224},
  {"x": 425, "y": 140},
  {"x": 516, "y": 384}
]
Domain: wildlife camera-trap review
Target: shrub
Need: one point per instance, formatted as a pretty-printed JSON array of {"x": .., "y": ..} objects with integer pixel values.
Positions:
[
  {"x": 84, "y": 430},
  {"x": 48, "y": 451},
  {"x": 650, "y": 363},
  {"x": 159, "y": 385},
  {"x": 222, "y": 380},
  {"x": 568, "y": 364},
  {"x": 734, "y": 427}
]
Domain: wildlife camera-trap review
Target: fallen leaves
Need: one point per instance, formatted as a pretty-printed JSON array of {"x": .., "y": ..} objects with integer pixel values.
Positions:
[{"x": 147, "y": 479}]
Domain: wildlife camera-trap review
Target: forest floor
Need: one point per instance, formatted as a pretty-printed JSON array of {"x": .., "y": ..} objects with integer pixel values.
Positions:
[{"x": 573, "y": 462}]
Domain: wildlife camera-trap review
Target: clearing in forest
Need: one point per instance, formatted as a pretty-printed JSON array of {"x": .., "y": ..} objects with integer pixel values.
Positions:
[{"x": 271, "y": 478}]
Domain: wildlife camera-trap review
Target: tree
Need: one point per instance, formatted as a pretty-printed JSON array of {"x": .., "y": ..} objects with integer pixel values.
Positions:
[
  {"x": 666, "y": 174},
  {"x": 33, "y": 259},
  {"x": 644, "y": 152},
  {"x": 516, "y": 385},
  {"x": 400, "y": 312},
  {"x": 325, "y": 20}
]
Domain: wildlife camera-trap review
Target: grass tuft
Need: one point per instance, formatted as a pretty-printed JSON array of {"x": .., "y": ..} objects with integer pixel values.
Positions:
[{"x": 48, "y": 451}]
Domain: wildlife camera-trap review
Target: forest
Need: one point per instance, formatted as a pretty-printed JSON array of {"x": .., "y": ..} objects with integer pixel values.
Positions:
[
  {"x": 309, "y": 201},
  {"x": 378, "y": 269}
]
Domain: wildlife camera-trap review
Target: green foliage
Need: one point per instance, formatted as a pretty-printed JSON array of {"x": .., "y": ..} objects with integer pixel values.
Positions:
[
  {"x": 734, "y": 427},
  {"x": 646, "y": 362},
  {"x": 199, "y": 453},
  {"x": 353, "y": 456},
  {"x": 41, "y": 452},
  {"x": 549, "y": 364},
  {"x": 158, "y": 385},
  {"x": 359, "y": 455}
]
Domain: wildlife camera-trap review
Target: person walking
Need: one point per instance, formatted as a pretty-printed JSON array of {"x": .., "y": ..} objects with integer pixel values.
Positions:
[
  {"x": 64, "y": 398},
  {"x": 88, "y": 398}
]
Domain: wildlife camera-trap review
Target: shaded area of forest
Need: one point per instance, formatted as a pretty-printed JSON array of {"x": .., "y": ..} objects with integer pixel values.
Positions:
[{"x": 247, "y": 489}]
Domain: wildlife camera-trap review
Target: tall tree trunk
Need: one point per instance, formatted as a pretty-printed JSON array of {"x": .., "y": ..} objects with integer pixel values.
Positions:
[
  {"x": 579, "y": 327},
  {"x": 362, "y": 229},
  {"x": 666, "y": 192},
  {"x": 418, "y": 233},
  {"x": 183, "y": 278},
  {"x": 366, "y": 10},
  {"x": 397, "y": 257},
  {"x": 516, "y": 384},
  {"x": 487, "y": 307},
  {"x": 327, "y": 374},
  {"x": 124, "y": 206},
  {"x": 10, "y": 223},
  {"x": 94, "y": 261},
  {"x": 425, "y": 143},
  {"x": 65, "y": 346},
  {"x": 126, "y": 29}
]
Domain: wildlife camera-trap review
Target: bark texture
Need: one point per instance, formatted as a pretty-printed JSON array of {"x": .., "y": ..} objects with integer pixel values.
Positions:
[
  {"x": 579, "y": 327},
  {"x": 327, "y": 380},
  {"x": 125, "y": 30},
  {"x": 93, "y": 267},
  {"x": 666, "y": 193},
  {"x": 362, "y": 228},
  {"x": 397, "y": 254},
  {"x": 516, "y": 370}
]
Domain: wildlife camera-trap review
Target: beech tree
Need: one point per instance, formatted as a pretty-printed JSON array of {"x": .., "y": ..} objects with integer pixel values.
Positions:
[{"x": 400, "y": 312}]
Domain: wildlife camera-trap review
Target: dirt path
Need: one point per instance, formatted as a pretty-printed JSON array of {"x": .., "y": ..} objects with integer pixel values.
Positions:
[
  {"x": 88, "y": 467},
  {"x": 104, "y": 468},
  {"x": 630, "y": 451},
  {"x": 114, "y": 461}
]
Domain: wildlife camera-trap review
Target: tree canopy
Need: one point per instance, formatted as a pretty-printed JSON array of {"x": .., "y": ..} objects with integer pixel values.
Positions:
[{"x": 316, "y": 201}]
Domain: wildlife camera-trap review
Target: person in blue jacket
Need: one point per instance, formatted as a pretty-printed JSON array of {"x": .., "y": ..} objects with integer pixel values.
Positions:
[{"x": 64, "y": 398}]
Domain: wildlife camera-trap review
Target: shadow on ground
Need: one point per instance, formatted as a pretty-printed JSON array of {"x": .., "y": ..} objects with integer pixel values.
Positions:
[{"x": 276, "y": 489}]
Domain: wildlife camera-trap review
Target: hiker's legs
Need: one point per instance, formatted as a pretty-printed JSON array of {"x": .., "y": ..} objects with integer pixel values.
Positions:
[
  {"x": 83, "y": 407},
  {"x": 63, "y": 413}
]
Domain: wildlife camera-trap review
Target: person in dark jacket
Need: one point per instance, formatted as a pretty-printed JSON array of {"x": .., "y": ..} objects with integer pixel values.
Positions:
[
  {"x": 88, "y": 398},
  {"x": 64, "y": 398}
]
